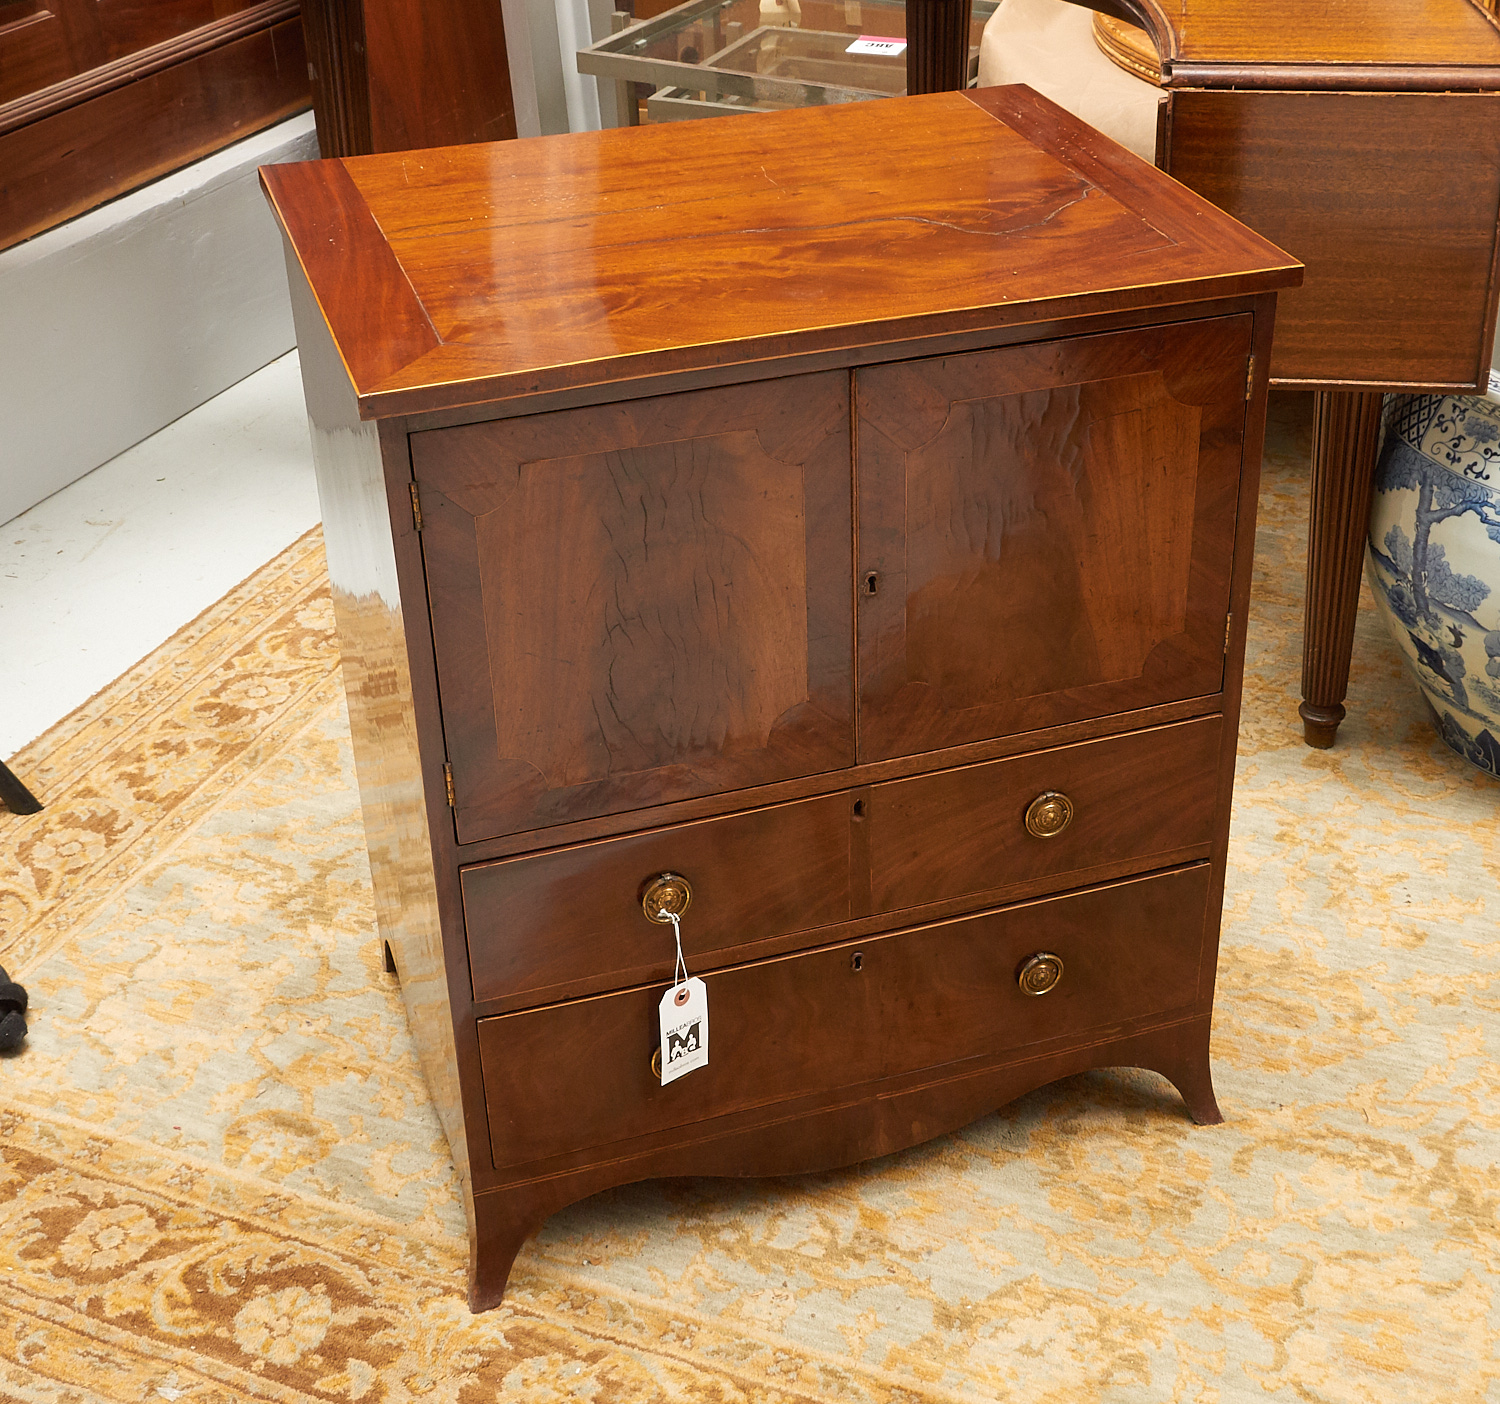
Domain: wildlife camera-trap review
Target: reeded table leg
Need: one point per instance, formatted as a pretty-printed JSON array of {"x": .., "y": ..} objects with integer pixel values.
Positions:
[
  {"x": 937, "y": 54},
  {"x": 1346, "y": 434}
]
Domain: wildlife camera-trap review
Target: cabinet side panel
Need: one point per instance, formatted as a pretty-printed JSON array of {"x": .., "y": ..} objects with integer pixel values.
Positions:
[
  {"x": 357, "y": 534},
  {"x": 1389, "y": 199},
  {"x": 1266, "y": 328}
]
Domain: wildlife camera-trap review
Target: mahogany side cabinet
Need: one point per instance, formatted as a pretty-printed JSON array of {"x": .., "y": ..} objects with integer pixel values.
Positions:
[{"x": 834, "y": 526}]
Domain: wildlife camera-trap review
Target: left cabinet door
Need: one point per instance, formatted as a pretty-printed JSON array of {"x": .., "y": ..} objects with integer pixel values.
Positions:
[{"x": 640, "y": 602}]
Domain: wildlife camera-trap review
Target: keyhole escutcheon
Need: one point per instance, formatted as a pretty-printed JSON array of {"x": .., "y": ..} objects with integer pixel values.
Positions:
[{"x": 872, "y": 582}]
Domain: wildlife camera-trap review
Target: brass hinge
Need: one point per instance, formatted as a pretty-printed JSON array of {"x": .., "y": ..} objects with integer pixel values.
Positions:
[
  {"x": 448, "y": 783},
  {"x": 1249, "y": 387},
  {"x": 1228, "y": 627},
  {"x": 416, "y": 508}
]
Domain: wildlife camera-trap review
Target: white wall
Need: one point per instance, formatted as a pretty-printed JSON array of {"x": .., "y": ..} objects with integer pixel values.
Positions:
[
  {"x": 100, "y": 573},
  {"x": 118, "y": 322},
  {"x": 543, "y": 38}
]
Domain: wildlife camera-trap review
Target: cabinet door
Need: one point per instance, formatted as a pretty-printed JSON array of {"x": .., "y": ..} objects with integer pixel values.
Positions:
[
  {"x": 640, "y": 602},
  {"x": 1046, "y": 532}
]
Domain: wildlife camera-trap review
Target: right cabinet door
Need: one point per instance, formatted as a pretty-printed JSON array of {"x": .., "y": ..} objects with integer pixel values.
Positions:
[{"x": 1046, "y": 532}]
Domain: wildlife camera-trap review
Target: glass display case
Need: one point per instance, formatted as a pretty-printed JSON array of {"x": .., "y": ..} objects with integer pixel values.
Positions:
[{"x": 721, "y": 57}]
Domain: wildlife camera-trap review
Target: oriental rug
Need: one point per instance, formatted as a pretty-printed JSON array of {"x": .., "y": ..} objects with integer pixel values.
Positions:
[{"x": 221, "y": 1179}]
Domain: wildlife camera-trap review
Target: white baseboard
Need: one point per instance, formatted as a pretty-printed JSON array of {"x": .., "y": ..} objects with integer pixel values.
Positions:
[{"x": 122, "y": 320}]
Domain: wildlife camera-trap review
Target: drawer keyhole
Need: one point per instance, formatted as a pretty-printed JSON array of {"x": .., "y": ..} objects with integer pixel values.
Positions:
[
  {"x": 872, "y": 582},
  {"x": 857, "y": 961}
]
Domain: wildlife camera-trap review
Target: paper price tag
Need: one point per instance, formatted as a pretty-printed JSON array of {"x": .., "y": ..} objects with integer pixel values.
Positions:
[
  {"x": 683, "y": 1015},
  {"x": 877, "y": 44}
]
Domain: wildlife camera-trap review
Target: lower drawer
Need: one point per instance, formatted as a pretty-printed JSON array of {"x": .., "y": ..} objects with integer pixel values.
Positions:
[{"x": 578, "y": 1075}]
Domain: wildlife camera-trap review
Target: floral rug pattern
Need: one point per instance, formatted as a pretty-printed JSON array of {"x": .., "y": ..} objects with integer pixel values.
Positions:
[{"x": 221, "y": 1179}]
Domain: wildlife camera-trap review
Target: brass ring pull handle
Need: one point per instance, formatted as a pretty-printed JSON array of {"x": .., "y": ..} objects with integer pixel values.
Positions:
[
  {"x": 1049, "y": 814},
  {"x": 1040, "y": 973},
  {"x": 666, "y": 893},
  {"x": 656, "y": 1063}
]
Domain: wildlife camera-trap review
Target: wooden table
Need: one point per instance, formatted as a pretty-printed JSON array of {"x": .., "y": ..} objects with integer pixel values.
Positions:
[
  {"x": 845, "y": 545},
  {"x": 1363, "y": 137}
]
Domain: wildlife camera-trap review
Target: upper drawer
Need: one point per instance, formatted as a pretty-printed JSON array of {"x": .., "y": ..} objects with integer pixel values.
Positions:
[
  {"x": 806, "y": 1024},
  {"x": 638, "y": 603},
  {"x": 549, "y": 921},
  {"x": 1046, "y": 532},
  {"x": 1144, "y": 796},
  {"x": 575, "y": 913}
]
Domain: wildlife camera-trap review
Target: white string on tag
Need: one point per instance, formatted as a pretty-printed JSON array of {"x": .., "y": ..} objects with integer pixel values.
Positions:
[
  {"x": 682, "y": 1016},
  {"x": 679, "y": 971}
]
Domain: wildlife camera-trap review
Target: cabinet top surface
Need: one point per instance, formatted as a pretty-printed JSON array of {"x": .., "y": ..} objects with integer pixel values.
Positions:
[
  {"x": 474, "y": 273},
  {"x": 1404, "y": 34}
]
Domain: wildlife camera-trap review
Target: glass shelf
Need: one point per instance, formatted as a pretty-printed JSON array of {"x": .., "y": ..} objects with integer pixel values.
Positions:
[{"x": 722, "y": 57}]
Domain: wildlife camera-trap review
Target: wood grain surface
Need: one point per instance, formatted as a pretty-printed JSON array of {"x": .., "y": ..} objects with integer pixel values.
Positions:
[
  {"x": 38, "y": 49},
  {"x": 77, "y": 50},
  {"x": 336, "y": 67},
  {"x": 1195, "y": 37},
  {"x": 1364, "y": 137},
  {"x": 66, "y": 149},
  {"x": 1045, "y": 532},
  {"x": 804, "y": 1024},
  {"x": 572, "y": 260},
  {"x": 937, "y": 48},
  {"x": 366, "y": 281},
  {"x": 957, "y": 364},
  {"x": 962, "y": 832},
  {"x": 44, "y": 45},
  {"x": 687, "y": 630},
  {"x": 816, "y": 1134},
  {"x": 538, "y": 922},
  {"x": 1346, "y": 438},
  {"x": 569, "y": 921},
  {"x": 1390, "y": 201},
  {"x": 394, "y": 75}
]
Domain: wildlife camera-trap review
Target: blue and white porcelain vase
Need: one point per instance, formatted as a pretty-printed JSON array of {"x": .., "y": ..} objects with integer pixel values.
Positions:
[{"x": 1434, "y": 560}]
